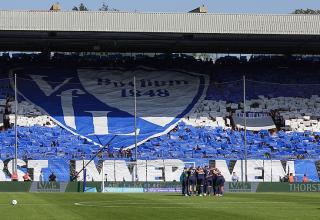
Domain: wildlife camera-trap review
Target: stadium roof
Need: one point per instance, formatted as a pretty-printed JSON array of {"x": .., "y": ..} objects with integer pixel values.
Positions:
[{"x": 159, "y": 32}]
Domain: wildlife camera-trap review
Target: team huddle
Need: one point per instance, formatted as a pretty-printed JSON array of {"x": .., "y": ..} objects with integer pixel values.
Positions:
[{"x": 202, "y": 181}]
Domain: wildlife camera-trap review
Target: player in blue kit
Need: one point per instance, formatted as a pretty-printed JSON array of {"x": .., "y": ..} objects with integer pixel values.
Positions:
[
  {"x": 208, "y": 181},
  {"x": 192, "y": 174},
  {"x": 215, "y": 172},
  {"x": 200, "y": 180},
  {"x": 205, "y": 168},
  {"x": 220, "y": 184}
]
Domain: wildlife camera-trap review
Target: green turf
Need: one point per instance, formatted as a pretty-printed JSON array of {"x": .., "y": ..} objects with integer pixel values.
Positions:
[{"x": 159, "y": 206}]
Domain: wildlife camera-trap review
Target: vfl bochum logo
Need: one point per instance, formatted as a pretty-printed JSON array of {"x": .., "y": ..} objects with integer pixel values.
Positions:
[{"x": 99, "y": 103}]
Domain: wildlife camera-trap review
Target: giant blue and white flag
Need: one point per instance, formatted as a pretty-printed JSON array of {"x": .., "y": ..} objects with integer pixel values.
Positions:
[{"x": 99, "y": 103}]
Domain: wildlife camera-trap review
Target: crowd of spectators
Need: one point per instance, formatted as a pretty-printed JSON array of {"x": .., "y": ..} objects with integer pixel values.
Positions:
[{"x": 219, "y": 139}]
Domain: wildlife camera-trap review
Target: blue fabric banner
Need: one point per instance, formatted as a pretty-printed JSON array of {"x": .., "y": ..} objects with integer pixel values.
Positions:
[{"x": 99, "y": 103}]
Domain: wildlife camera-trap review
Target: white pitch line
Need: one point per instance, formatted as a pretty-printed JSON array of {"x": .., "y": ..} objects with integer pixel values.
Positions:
[
  {"x": 186, "y": 203},
  {"x": 177, "y": 207},
  {"x": 219, "y": 205}
]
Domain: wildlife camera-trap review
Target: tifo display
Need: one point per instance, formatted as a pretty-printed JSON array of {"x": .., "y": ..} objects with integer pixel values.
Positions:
[{"x": 179, "y": 111}]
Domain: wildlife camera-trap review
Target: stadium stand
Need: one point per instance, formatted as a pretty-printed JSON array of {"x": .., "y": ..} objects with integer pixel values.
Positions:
[{"x": 284, "y": 118}]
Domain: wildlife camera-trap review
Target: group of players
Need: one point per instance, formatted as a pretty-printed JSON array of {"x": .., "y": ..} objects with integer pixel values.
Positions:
[{"x": 202, "y": 181}]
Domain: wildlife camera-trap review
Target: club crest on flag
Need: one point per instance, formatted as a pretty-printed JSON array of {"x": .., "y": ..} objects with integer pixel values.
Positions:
[{"x": 99, "y": 103}]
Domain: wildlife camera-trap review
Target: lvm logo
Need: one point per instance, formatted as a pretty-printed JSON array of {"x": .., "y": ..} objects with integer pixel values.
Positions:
[
  {"x": 48, "y": 187},
  {"x": 239, "y": 187}
]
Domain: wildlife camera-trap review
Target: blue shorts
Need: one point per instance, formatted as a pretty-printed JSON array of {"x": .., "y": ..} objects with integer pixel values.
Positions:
[
  {"x": 209, "y": 182},
  {"x": 220, "y": 181},
  {"x": 192, "y": 182},
  {"x": 200, "y": 181}
]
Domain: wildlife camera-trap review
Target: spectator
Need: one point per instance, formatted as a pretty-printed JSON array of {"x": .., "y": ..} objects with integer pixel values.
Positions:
[
  {"x": 291, "y": 178},
  {"x": 41, "y": 177},
  {"x": 75, "y": 175},
  {"x": 26, "y": 177},
  {"x": 234, "y": 177},
  {"x": 305, "y": 178},
  {"x": 52, "y": 177},
  {"x": 14, "y": 176}
]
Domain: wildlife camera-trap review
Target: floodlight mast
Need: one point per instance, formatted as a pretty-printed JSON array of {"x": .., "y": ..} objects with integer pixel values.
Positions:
[
  {"x": 103, "y": 178},
  {"x": 135, "y": 128},
  {"x": 15, "y": 163},
  {"x": 245, "y": 130}
]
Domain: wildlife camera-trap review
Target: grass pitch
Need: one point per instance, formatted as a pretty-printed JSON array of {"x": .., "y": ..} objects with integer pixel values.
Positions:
[{"x": 151, "y": 206}]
